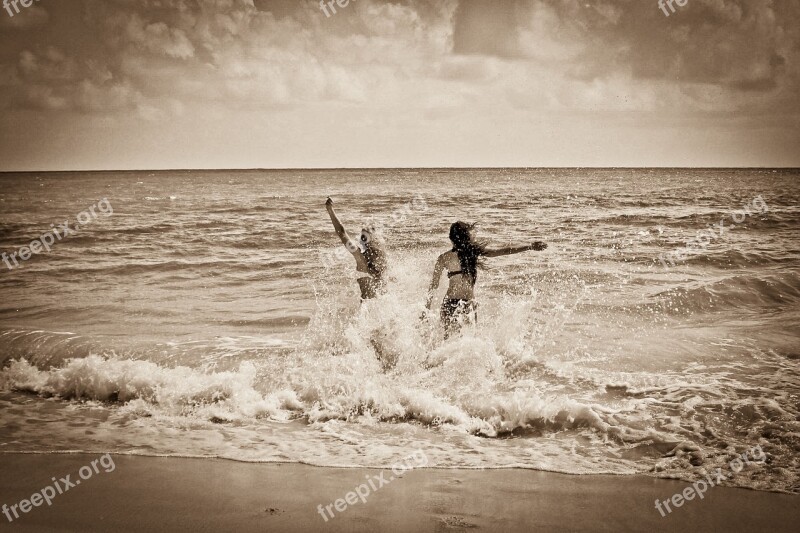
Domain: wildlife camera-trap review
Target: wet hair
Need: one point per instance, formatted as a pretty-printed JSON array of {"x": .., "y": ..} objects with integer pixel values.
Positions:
[
  {"x": 374, "y": 254},
  {"x": 469, "y": 251}
]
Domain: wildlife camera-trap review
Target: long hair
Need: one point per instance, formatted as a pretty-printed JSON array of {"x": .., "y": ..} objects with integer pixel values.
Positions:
[
  {"x": 374, "y": 253},
  {"x": 469, "y": 251}
]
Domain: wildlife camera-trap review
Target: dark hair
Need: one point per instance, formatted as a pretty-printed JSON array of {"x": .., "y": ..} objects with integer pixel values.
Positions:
[
  {"x": 469, "y": 251},
  {"x": 375, "y": 257}
]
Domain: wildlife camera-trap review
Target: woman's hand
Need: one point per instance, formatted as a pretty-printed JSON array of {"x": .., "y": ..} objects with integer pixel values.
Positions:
[
  {"x": 329, "y": 202},
  {"x": 538, "y": 246}
]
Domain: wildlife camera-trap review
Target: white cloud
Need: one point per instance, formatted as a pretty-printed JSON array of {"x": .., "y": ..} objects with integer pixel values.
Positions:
[{"x": 407, "y": 69}]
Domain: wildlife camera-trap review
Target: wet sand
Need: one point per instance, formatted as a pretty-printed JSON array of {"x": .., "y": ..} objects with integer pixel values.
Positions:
[{"x": 175, "y": 494}]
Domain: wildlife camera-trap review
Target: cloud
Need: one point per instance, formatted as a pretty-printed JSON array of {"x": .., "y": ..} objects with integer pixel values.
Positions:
[
  {"x": 741, "y": 44},
  {"x": 51, "y": 80},
  {"x": 271, "y": 53},
  {"x": 539, "y": 54},
  {"x": 407, "y": 68},
  {"x": 711, "y": 56},
  {"x": 159, "y": 38}
]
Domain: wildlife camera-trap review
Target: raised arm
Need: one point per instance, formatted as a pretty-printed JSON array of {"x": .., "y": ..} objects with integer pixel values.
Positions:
[
  {"x": 437, "y": 275},
  {"x": 352, "y": 246},
  {"x": 337, "y": 225},
  {"x": 510, "y": 250}
]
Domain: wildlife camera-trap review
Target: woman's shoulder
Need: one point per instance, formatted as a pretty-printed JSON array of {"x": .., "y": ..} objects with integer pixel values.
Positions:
[{"x": 448, "y": 258}]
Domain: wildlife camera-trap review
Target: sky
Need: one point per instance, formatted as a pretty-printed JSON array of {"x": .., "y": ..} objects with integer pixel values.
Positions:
[{"x": 163, "y": 84}]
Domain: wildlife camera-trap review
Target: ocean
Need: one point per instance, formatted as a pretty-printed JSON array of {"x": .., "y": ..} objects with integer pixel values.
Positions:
[{"x": 211, "y": 314}]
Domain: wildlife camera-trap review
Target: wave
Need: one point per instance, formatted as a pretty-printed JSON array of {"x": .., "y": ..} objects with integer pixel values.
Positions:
[
  {"x": 526, "y": 406},
  {"x": 239, "y": 264},
  {"x": 738, "y": 259},
  {"x": 531, "y": 386},
  {"x": 282, "y": 321},
  {"x": 154, "y": 229},
  {"x": 44, "y": 347},
  {"x": 692, "y": 222},
  {"x": 150, "y": 389},
  {"x": 658, "y": 424},
  {"x": 743, "y": 292},
  {"x": 146, "y": 386}
]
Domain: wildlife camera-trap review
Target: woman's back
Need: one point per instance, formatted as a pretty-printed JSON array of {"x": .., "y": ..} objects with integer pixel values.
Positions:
[
  {"x": 461, "y": 285},
  {"x": 461, "y": 264}
]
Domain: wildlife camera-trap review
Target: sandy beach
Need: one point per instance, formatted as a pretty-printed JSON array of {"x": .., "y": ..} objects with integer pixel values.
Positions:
[{"x": 173, "y": 494}]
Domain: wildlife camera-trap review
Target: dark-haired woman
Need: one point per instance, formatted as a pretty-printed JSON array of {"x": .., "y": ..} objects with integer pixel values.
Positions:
[
  {"x": 369, "y": 255},
  {"x": 462, "y": 264}
]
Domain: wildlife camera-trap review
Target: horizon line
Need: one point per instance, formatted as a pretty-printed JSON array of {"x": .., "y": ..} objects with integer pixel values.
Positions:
[{"x": 279, "y": 169}]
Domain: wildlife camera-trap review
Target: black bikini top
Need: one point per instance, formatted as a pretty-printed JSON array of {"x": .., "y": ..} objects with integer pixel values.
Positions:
[{"x": 456, "y": 273}]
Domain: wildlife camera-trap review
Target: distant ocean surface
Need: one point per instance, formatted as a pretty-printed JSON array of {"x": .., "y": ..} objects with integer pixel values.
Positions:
[{"x": 210, "y": 316}]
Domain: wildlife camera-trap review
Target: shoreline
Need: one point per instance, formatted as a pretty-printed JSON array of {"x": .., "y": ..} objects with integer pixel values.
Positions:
[
  {"x": 367, "y": 468},
  {"x": 144, "y": 493},
  {"x": 372, "y": 468}
]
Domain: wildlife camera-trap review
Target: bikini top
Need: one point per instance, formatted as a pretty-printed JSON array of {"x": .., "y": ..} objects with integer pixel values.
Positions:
[{"x": 460, "y": 272}]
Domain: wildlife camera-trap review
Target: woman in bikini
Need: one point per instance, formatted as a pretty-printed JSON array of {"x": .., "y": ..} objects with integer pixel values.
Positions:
[
  {"x": 462, "y": 264},
  {"x": 368, "y": 252}
]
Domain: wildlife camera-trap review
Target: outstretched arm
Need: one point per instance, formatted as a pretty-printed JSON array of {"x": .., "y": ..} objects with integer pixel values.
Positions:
[
  {"x": 337, "y": 225},
  {"x": 437, "y": 274},
  {"x": 351, "y": 245},
  {"x": 510, "y": 250}
]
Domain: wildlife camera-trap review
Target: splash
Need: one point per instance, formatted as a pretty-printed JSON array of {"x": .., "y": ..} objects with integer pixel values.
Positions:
[{"x": 533, "y": 385}]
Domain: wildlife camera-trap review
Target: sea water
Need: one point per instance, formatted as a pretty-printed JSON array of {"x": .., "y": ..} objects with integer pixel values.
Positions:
[{"x": 212, "y": 315}]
